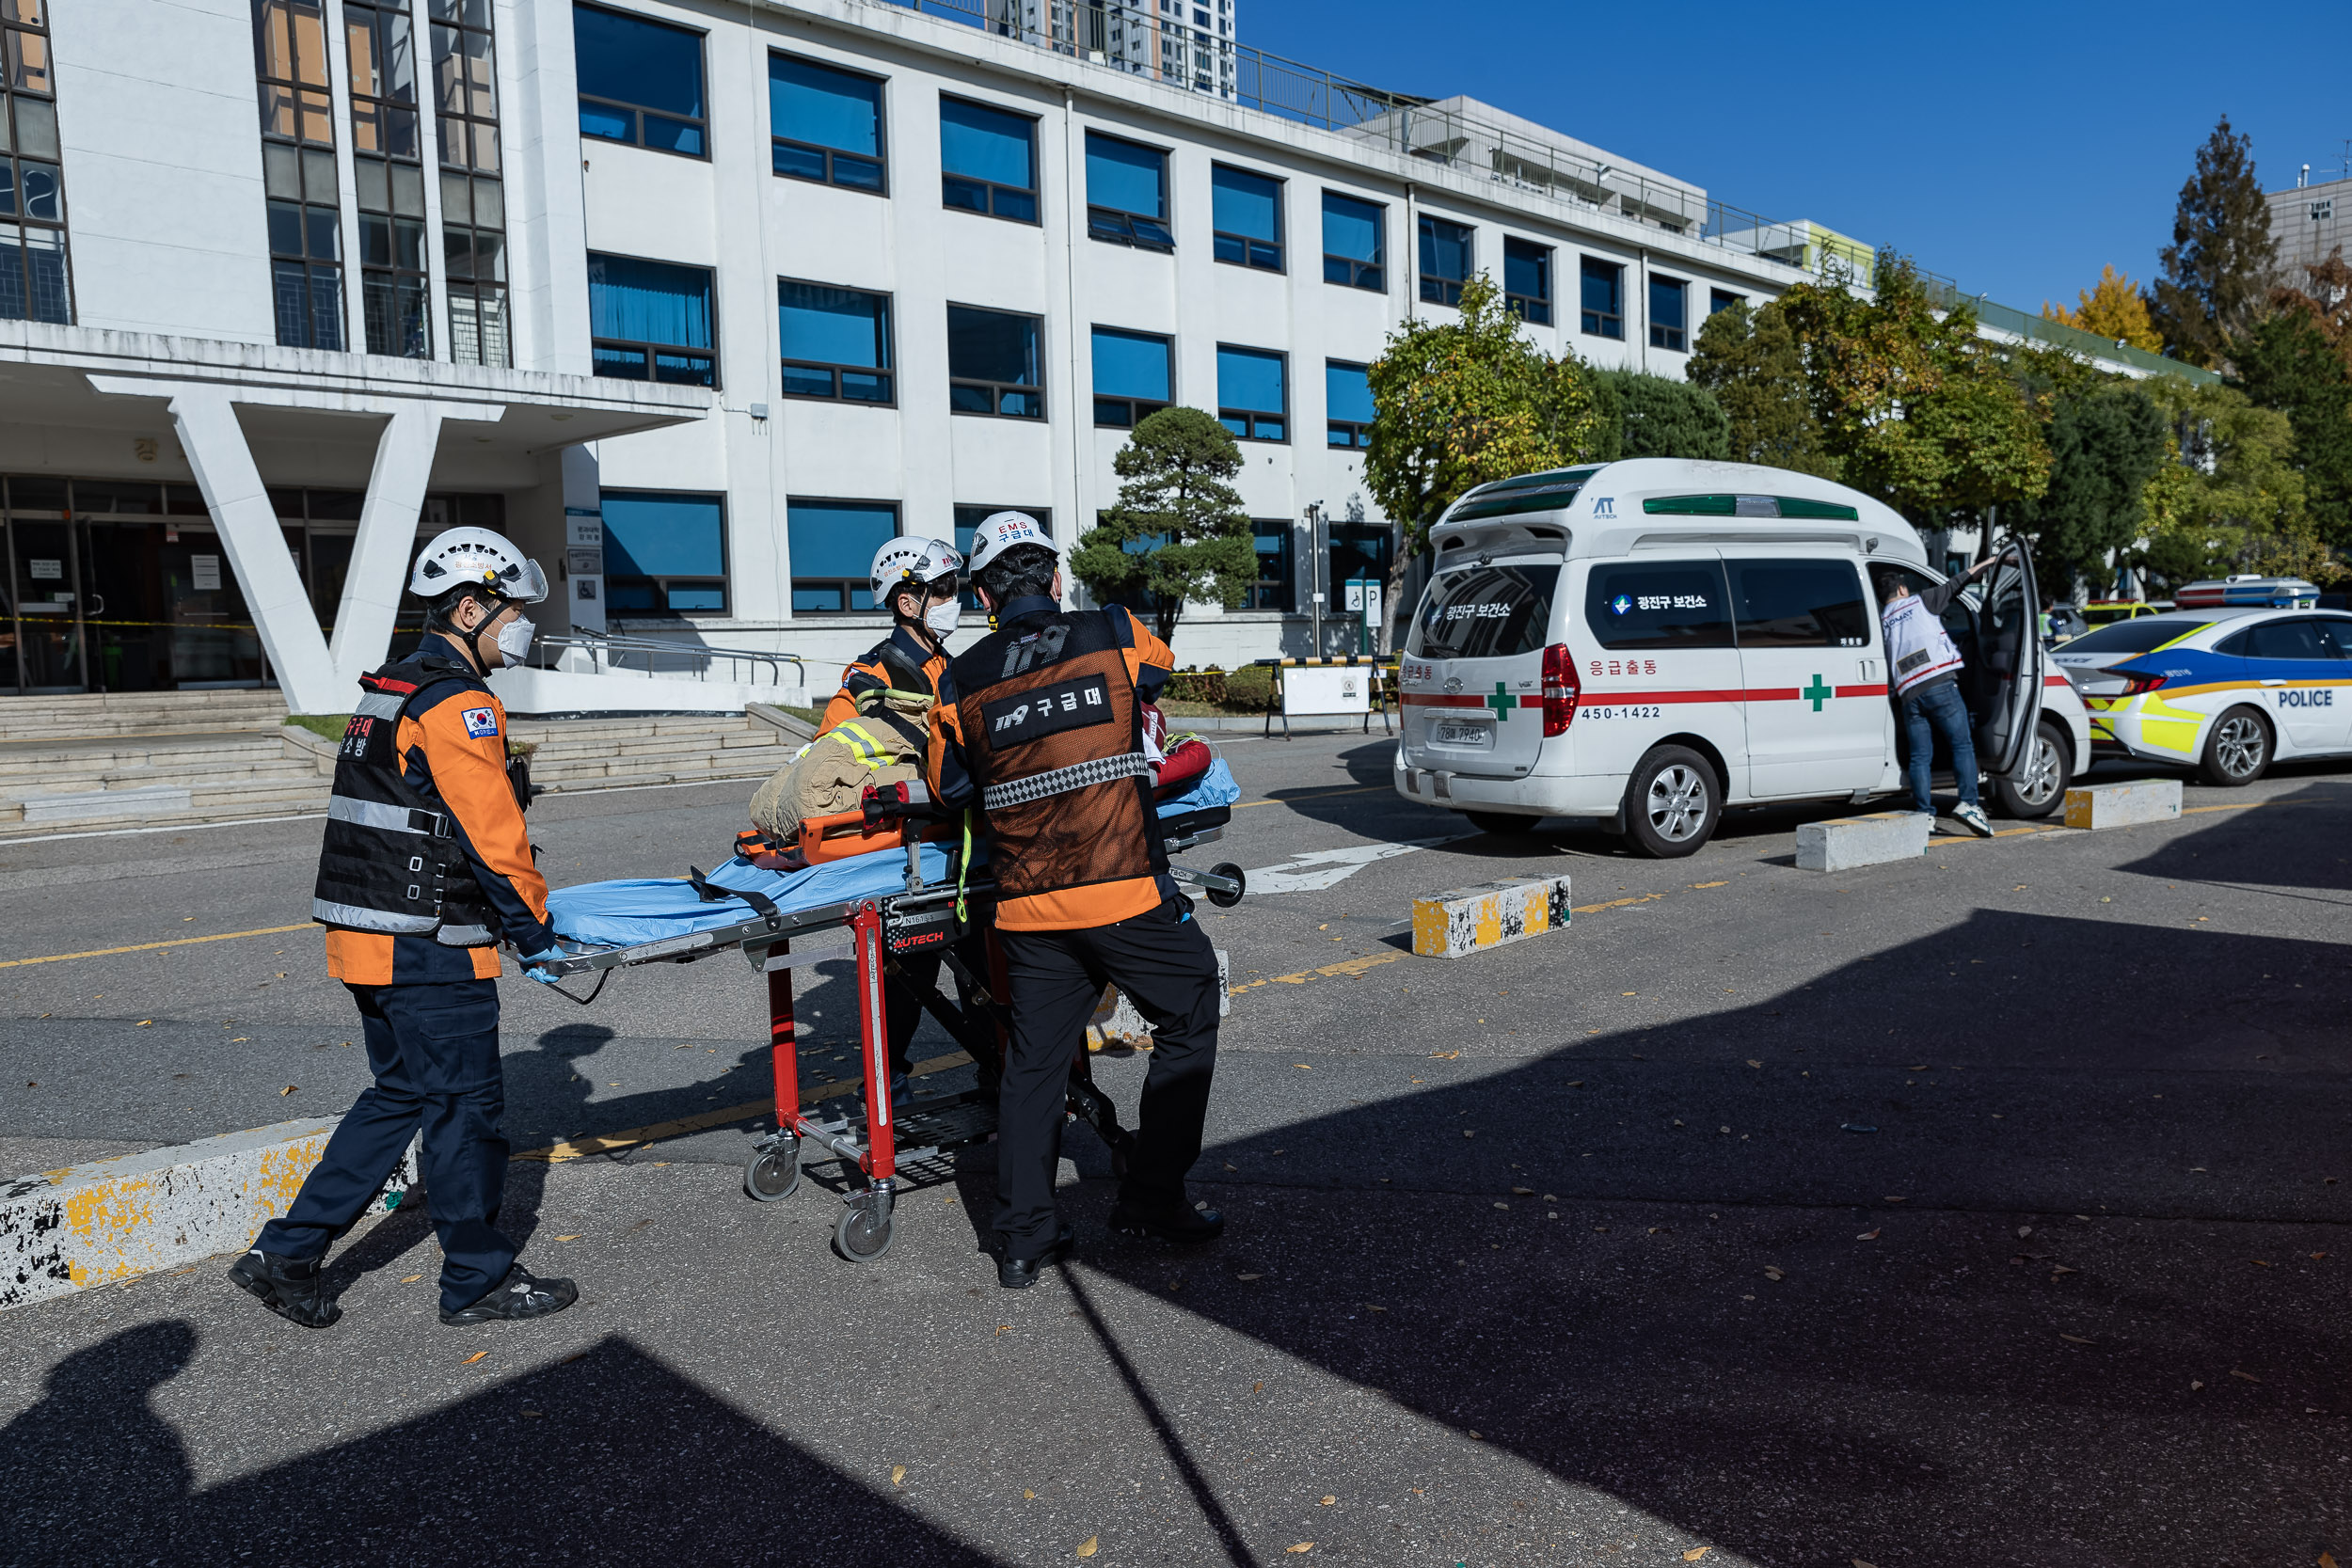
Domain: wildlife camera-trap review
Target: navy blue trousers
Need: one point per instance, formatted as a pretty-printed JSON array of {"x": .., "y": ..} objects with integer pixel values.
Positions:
[{"x": 435, "y": 1053}]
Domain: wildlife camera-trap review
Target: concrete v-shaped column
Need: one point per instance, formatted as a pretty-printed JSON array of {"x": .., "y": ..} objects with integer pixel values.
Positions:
[{"x": 379, "y": 556}]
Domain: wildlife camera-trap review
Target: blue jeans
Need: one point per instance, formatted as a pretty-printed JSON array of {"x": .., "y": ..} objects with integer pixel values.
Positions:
[{"x": 1939, "y": 705}]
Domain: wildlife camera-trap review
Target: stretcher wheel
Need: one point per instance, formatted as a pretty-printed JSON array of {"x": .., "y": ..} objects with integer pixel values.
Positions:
[
  {"x": 773, "y": 1171},
  {"x": 1241, "y": 884},
  {"x": 862, "y": 1233}
]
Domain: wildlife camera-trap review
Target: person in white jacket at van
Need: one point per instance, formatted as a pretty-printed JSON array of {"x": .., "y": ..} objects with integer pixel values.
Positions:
[{"x": 1926, "y": 665}]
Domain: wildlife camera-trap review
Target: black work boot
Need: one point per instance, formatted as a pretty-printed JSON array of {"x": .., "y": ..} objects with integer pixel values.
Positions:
[
  {"x": 520, "y": 1295},
  {"x": 286, "y": 1286},
  {"x": 1019, "y": 1273},
  {"x": 1175, "y": 1221}
]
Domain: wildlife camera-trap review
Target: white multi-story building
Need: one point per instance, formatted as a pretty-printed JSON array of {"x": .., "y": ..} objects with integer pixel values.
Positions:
[
  {"x": 2310, "y": 223},
  {"x": 702, "y": 302}
]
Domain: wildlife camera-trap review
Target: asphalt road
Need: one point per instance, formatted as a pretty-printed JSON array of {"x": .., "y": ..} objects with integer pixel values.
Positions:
[{"x": 1564, "y": 1253}]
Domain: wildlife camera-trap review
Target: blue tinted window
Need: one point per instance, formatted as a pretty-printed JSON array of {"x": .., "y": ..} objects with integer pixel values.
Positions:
[
  {"x": 648, "y": 302},
  {"x": 664, "y": 551},
  {"x": 1527, "y": 280},
  {"x": 1245, "y": 210},
  {"x": 1347, "y": 392},
  {"x": 1445, "y": 259},
  {"x": 825, "y": 107},
  {"x": 1353, "y": 242},
  {"x": 1131, "y": 365},
  {"x": 840, "y": 326},
  {"x": 832, "y": 546},
  {"x": 987, "y": 144},
  {"x": 1250, "y": 394},
  {"x": 647, "y": 75},
  {"x": 1603, "y": 297},
  {"x": 1669, "y": 310},
  {"x": 1126, "y": 178}
]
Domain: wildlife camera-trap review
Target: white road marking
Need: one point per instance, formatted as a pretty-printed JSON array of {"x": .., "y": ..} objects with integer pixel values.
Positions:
[{"x": 1322, "y": 868}]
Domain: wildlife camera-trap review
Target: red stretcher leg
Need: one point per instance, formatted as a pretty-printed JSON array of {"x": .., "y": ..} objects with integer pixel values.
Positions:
[
  {"x": 874, "y": 1030},
  {"x": 784, "y": 1055}
]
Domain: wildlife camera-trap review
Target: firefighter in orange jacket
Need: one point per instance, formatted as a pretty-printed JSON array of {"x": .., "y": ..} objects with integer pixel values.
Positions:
[
  {"x": 427, "y": 866},
  {"x": 920, "y": 581},
  {"x": 1047, "y": 722}
]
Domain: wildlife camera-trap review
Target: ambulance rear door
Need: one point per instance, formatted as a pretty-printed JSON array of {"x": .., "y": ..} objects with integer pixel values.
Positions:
[{"x": 1474, "y": 699}]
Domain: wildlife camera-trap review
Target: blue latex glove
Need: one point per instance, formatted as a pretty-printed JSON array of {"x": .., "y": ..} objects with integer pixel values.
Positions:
[{"x": 547, "y": 956}]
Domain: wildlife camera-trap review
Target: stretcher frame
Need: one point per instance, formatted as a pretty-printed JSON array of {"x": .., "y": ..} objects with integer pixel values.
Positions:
[{"x": 921, "y": 921}]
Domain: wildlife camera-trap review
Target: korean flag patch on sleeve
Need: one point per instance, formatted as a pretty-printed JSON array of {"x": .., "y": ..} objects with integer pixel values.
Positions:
[{"x": 480, "y": 723}]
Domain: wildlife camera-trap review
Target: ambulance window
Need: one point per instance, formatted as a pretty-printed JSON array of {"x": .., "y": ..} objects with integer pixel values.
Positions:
[
  {"x": 1663, "y": 604},
  {"x": 1799, "y": 603},
  {"x": 1486, "y": 613}
]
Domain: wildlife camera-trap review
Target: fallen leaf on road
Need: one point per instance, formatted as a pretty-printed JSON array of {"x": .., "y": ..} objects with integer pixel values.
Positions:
[
  {"x": 412, "y": 1279},
  {"x": 1694, "y": 1553},
  {"x": 1304, "y": 1066},
  {"x": 287, "y": 1090},
  {"x": 143, "y": 1024},
  {"x": 1468, "y": 1133},
  {"x": 1503, "y": 1206},
  {"x": 1921, "y": 1068},
  {"x": 1773, "y": 1273},
  {"x": 1328, "y": 1501},
  {"x": 1549, "y": 1199},
  {"x": 1088, "y": 1546},
  {"x": 1477, "y": 1438},
  {"x": 1752, "y": 1062},
  {"x": 2057, "y": 1269},
  {"x": 1369, "y": 1308},
  {"x": 1257, "y": 1388},
  {"x": 1892, "y": 1198},
  {"x": 1302, "y": 1547},
  {"x": 1576, "y": 1082},
  {"x": 573, "y": 1237},
  {"x": 2023, "y": 1231},
  {"x": 2076, "y": 1340},
  {"x": 2325, "y": 1560},
  {"x": 2247, "y": 1376},
  {"x": 1229, "y": 1166},
  {"x": 2261, "y": 1263},
  {"x": 2194, "y": 1385},
  {"x": 1867, "y": 1236},
  {"x": 1524, "y": 1191},
  {"x": 1859, "y": 1563},
  {"x": 1004, "y": 1328},
  {"x": 474, "y": 1357},
  {"x": 535, "y": 1414},
  {"x": 898, "y": 1474}
]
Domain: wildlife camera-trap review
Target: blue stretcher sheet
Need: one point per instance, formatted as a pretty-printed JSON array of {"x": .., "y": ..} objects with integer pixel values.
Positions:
[{"x": 625, "y": 913}]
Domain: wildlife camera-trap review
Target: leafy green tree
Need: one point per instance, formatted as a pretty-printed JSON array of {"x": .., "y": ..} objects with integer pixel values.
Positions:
[
  {"x": 1749, "y": 358},
  {"x": 1659, "y": 416},
  {"x": 1179, "y": 531},
  {"x": 2228, "y": 498},
  {"x": 2219, "y": 267},
  {"x": 1915, "y": 407},
  {"x": 2106, "y": 442},
  {"x": 2289, "y": 363}
]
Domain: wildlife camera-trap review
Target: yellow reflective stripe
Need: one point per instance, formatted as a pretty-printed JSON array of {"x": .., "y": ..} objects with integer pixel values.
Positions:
[{"x": 862, "y": 745}]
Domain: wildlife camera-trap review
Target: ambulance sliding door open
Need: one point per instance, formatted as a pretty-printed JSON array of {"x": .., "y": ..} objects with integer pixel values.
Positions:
[{"x": 2006, "y": 683}]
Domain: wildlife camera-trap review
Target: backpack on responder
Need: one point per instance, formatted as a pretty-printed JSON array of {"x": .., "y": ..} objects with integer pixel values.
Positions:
[{"x": 884, "y": 744}]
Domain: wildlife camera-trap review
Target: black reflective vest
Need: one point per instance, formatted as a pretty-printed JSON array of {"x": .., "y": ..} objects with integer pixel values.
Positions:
[{"x": 394, "y": 859}]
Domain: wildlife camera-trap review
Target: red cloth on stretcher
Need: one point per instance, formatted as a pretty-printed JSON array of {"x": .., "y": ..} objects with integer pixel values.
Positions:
[{"x": 1184, "y": 764}]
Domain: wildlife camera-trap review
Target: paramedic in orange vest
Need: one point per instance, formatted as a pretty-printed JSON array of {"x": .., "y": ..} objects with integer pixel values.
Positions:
[
  {"x": 426, "y": 867},
  {"x": 1047, "y": 725},
  {"x": 920, "y": 581},
  {"x": 1925, "y": 664}
]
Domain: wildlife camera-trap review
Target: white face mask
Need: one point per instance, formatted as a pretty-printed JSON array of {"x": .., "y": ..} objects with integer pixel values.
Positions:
[
  {"x": 515, "y": 639},
  {"x": 943, "y": 618}
]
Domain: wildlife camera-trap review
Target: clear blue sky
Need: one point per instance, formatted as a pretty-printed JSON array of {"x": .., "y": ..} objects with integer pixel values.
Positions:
[{"x": 2014, "y": 149}]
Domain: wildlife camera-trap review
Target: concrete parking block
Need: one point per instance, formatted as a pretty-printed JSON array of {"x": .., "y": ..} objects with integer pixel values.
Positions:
[
  {"x": 66, "y": 1231},
  {"x": 1473, "y": 919},
  {"x": 1844, "y": 843},
  {"x": 1116, "y": 1022},
  {"x": 2124, "y": 805}
]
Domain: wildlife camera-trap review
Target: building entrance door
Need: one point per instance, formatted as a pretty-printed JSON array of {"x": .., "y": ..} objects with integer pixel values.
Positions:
[{"x": 46, "y": 585}]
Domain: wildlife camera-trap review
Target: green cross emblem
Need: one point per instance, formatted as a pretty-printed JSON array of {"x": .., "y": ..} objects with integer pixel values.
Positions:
[
  {"x": 1817, "y": 693},
  {"x": 1503, "y": 701}
]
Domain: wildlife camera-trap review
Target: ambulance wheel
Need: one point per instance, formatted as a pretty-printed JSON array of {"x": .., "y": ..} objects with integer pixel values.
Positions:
[
  {"x": 2237, "y": 752},
  {"x": 773, "y": 1171},
  {"x": 1241, "y": 884},
  {"x": 1672, "y": 803},
  {"x": 861, "y": 1234},
  {"x": 2039, "y": 783},
  {"x": 1500, "y": 822}
]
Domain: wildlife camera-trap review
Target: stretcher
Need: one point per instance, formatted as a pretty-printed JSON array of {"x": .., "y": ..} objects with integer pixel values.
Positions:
[{"x": 873, "y": 908}]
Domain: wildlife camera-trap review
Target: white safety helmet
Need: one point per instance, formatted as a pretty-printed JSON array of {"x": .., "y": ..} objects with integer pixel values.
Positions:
[
  {"x": 914, "y": 558},
  {"x": 476, "y": 558},
  {"x": 1000, "y": 532}
]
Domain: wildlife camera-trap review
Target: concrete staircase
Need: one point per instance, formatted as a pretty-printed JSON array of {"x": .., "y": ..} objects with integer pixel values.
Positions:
[{"x": 169, "y": 759}]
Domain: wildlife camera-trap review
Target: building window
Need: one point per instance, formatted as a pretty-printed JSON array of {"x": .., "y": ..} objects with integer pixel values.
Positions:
[
  {"x": 1720, "y": 300},
  {"x": 1355, "y": 241},
  {"x": 1133, "y": 377},
  {"x": 650, "y": 321},
  {"x": 1669, "y": 310},
  {"x": 640, "y": 82},
  {"x": 35, "y": 282},
  {"x": 837, "y": 343},
  {"x": 665, "y": 552},
  {"x": 826, "y": 125},
  {"x": 297, "y": 171},
  {"x": 993, "y": 364},
  {"x": 1347, "y": 404},
  {"x": 1274, "y": 588},
  {"x": 832, "y": 546},
  {"x": 1127, "y": 193},
  {"x": 1245, "y": 211},
  {"x": 988, "y": 161},
  {"x": 968, "y": 521},
  {"x": 473, "y": 198},
  {"x": 1527, "y": 280},
  {"x": 1252, "y": 393},
  {"x": 1603, "y": 298},
  {"x": 387, "y": 165},
  {"x": 1446, "y": 257}
]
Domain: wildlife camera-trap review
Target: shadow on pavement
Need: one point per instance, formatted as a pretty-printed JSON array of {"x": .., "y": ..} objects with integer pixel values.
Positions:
[
  {"x": 533, "y": 1469},
  {"x": 2290, "y": 841}
]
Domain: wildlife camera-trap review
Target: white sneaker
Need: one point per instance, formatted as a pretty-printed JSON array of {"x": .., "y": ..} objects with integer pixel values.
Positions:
[{"x": 1972, "y": 819}]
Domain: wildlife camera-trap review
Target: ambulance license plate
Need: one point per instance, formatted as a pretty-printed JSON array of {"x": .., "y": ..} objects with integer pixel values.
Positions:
[{"x": 1466, "y": 734}]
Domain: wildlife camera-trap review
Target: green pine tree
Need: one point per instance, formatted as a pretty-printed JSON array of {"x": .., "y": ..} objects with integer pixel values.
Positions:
[
  {"x": 1179, "y": 531},
  {"x": 1749, "y": 358},
  {"x": 2219, "y": 267},
  {"x": 2287, "y": 363},
  {"x": 1658, "y": 417}
]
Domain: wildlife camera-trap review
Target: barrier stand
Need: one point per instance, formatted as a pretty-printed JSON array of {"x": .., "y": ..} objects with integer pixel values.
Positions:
[
  {"x": 1376, "y": 696},
  {"x": 1491, "y": 914}
]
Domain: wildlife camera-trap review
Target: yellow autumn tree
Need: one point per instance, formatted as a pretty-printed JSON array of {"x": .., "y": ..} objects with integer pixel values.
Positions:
[{"x": 2116, "y": 310}]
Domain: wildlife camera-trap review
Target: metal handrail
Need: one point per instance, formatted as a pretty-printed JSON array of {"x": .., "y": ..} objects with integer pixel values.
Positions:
[{"x": 697, "y": 660}]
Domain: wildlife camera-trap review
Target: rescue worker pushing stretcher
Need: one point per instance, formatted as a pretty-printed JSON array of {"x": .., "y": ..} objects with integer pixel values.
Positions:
[
  {"x": 1046, "y": 727},
  {"x": 427, "y": 866}
]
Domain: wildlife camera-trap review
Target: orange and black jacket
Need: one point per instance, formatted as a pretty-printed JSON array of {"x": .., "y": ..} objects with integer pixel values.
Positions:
[
  {"x": 898, "y": 663},
  {"x": 426, "y": 865},
  {"x": 1046, "y": 732}
]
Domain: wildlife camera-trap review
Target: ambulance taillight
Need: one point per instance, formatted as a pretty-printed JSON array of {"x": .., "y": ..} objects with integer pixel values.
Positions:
[{"x": 1561, "y": 690}]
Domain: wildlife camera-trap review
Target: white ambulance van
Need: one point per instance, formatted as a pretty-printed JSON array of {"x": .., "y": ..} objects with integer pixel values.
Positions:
[{"x": 1652, "y": 641}]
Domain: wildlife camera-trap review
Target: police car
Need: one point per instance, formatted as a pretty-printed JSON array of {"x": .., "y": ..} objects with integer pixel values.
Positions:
[
  {"x": 2229, "y": 693},
  {"x": 1654, "y": 639}
]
